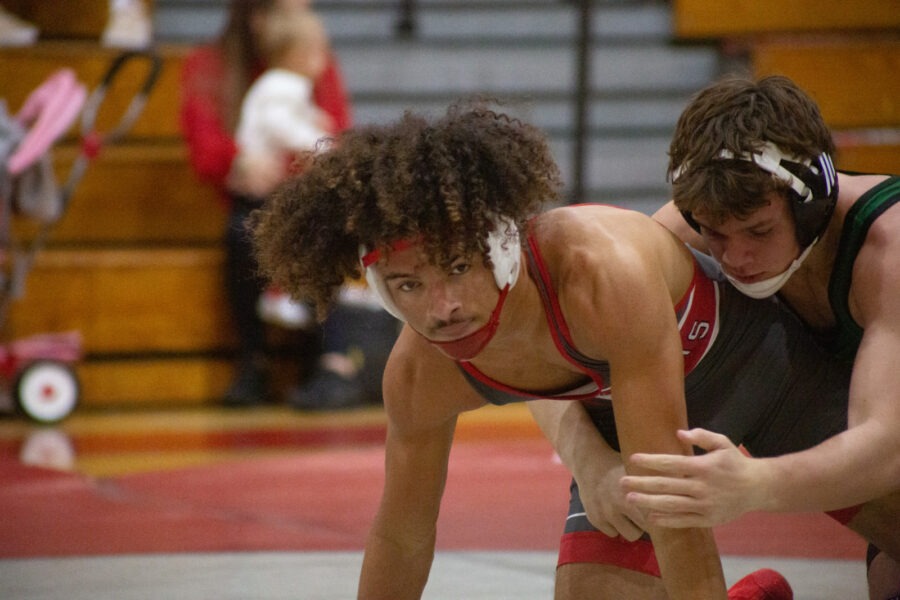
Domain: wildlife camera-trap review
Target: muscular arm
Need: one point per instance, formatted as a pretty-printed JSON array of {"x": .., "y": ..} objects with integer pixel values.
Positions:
[
  {"x": 858, "y": 465},
  {"x": 595, "y": 466},
  {"x": 648, "y": 396},
  {"x": 636, "y": 330},
  {"x": 863, "y": 462},
  {"x": 400, "y": 546},
  {"x": 423, "y": 395}
]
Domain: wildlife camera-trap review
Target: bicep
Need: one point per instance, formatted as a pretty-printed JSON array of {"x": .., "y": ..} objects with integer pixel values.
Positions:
[
  {"x": 647, "y": 372},
  {"x": 875, "y": 384},
  {"x": 876, "y": 298}
]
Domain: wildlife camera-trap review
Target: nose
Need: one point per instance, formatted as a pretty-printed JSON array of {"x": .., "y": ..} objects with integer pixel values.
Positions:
[
  {"x": 442, "y": 303},
  {"x": 736, "y": 257}
]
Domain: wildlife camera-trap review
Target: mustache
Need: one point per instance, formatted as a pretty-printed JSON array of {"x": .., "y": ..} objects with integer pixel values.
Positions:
[{"x": 441, "y": 324}]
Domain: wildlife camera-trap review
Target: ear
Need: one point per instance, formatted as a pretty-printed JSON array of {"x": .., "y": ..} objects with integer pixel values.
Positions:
[{"x": 505, "y": 251}]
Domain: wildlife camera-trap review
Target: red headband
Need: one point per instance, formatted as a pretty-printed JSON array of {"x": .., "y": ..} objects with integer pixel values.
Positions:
[{"x": 373, "y": 256}]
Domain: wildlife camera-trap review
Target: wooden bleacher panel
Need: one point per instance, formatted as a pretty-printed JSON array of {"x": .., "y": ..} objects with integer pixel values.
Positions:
[
  {"x": 136, "y": 193},
  {"x": 23, "y": 69},
  {"x": 855, "y": 80},
  {"x": 135, "y": 264},
  {"x": 716, "y": 19},
  {"x": 153, "y": 382},
  {"x": 174, "y": 381},
  {"x": 869, "y": 158},
  {"x": 65, "y": 18},
  {"x": 128, "y": 301}
]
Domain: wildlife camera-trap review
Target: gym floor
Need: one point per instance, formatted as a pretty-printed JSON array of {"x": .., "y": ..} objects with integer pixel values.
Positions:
[{"x": 271, "y": 503}]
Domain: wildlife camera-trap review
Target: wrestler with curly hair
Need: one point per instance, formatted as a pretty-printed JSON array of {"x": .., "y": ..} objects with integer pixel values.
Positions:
[
  {"x": 438, "y": 182},
  {"x": 504, "y": 301}
]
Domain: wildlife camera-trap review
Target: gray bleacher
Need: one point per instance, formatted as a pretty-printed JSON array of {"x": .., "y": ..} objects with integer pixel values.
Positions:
[{"x": 524, "y": 53}]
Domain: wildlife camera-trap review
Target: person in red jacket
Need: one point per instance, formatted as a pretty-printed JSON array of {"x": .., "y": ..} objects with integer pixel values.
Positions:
[{"x": 215, "y": 78}]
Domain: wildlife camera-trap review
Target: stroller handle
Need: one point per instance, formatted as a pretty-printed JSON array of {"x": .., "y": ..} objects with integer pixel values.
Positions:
[
  {"x": 93, "y": 141},
  {"x": 95, "y": 100}
]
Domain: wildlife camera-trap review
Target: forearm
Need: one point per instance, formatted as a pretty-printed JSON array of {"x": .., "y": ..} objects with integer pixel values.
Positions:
[
  {"x": 860, "y": 464},
  {"x": 575, "y": 438},
  {"x": 391, "y": 571},
  {"x": 689, "y": 563}
]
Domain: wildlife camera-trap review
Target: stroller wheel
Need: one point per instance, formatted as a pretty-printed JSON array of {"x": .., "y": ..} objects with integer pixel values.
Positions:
[{"x": 47, "y": 391}]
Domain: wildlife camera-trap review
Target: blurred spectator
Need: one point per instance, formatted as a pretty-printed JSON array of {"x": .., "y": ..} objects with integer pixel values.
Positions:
[
  {"x": 215, "y": 79},
  {"x": 128, "y": 25}
]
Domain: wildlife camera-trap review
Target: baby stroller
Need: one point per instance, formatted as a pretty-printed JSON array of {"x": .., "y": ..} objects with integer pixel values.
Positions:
[{"x": 37, "y": 377}]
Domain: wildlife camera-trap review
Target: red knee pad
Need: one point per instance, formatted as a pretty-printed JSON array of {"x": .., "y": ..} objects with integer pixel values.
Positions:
[
  {"x": 764, "y": 584},
  {"x": 595, "y": 547}
]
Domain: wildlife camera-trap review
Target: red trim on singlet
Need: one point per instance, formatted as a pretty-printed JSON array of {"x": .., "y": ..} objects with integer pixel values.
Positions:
[
  {"x": 595, "y": 547},
  {"x": 698, "y": 322},
  {"x": 502, "y": 387},
  {"x": 844, "y": 515},
  {"x": 697, "y": 312}
]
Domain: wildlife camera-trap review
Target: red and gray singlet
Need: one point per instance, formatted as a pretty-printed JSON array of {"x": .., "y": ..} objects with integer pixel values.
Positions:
[
  {"x": 752, "y": 372},
  {"x": 698, "y": 324}
]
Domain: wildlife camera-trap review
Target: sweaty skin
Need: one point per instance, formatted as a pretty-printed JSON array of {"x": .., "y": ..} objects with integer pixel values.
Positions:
[
  {"x": 853, "y": 467},
  {"x": 618, "y": 276}
]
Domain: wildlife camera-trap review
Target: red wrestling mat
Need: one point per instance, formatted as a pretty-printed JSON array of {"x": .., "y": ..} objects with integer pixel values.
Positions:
[{"x": 501, "y": 495}]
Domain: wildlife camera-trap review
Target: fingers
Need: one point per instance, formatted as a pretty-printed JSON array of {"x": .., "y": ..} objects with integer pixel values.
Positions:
[
  {"x": 659, "y": 485},
  {"x": 673, "y": 465},
  {"x": 622, "y": 526},
  {"x": 677, "y": 521},
  {"x": 705, "y": 439},
  {"x": 670, "y": 510},
  {"x": 677, "y": 465},
  {"x": 630, "y": 531}
]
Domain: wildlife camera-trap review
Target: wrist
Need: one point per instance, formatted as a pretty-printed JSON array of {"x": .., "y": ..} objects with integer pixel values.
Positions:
[{"x": 765, "y": 491}]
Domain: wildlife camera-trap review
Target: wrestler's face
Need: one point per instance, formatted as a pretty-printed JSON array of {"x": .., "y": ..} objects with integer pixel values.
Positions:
[
  {"x": 442, "y": 304},
  {"x": 756, "y": 248}
]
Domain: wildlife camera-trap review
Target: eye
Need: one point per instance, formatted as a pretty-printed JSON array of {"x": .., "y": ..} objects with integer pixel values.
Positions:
[
  {"x": 405, "y": 285},
  {"x": 459, "y": 268},
  {"x": 761, "y": 233}
]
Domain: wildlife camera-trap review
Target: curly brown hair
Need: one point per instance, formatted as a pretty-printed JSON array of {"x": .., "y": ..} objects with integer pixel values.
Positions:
[
  {"x": 441, "y": 181},
  {"x": 739, "y": 114}
]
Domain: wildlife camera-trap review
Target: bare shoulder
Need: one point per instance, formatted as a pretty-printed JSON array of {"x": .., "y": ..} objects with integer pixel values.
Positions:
[
  {"x": 612, "y": 248},
  {"x": 613, "y": 268},
  {"x": 423, "y": 389},
  {"x": 572, "y": 235}
]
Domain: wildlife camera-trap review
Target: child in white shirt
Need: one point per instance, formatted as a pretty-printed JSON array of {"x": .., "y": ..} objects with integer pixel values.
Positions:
[{"x": 278, "y": 117}]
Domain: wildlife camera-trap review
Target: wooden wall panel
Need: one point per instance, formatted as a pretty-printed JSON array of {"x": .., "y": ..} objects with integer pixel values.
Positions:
[{"x": 713, "y": 19}]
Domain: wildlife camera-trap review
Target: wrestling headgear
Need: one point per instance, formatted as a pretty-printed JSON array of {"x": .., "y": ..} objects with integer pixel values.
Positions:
[
  {"x": 812, "y": 197},
  {"x": 504, "y": 249},
  {"x": 813, "y": 187}
]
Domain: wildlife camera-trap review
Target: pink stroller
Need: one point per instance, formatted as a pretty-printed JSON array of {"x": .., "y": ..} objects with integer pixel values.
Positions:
[{"x": 37, "y": 376}]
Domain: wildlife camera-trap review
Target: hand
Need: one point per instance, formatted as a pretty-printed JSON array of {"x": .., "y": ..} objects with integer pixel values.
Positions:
[
  {"x": 697, "y": 491},
  {"x": 325, "y": 122},
  {"x": 255, "y": 176},
  {"x": 606, "y": 507}
]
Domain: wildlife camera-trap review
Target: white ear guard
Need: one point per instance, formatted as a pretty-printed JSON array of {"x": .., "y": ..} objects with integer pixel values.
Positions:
[{"x": 504, "y": 249}]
